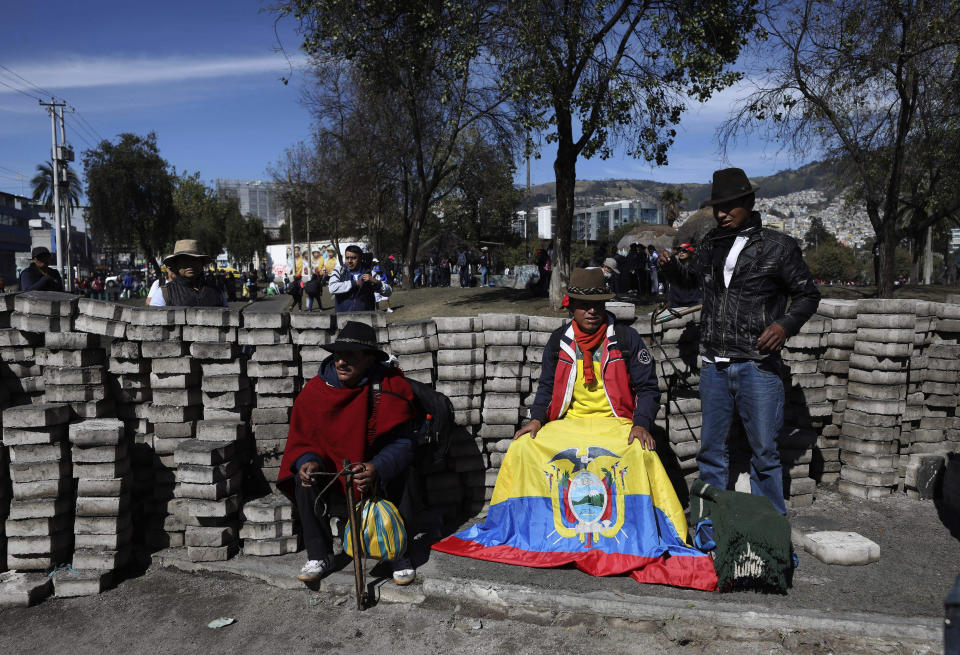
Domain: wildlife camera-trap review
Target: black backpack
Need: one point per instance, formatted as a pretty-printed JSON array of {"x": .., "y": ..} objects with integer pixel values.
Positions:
[{"x": 433, "y": 416}]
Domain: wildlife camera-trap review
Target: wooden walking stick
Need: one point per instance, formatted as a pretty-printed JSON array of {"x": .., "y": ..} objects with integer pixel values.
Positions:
[{"x": 353, "y": 515}]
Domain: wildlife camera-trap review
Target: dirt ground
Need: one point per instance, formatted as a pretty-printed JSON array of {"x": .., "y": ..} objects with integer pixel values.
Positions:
[{"x": 167, "y": 611}]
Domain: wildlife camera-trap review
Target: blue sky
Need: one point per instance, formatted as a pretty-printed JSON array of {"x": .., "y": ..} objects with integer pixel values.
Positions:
[{"x": 205, "y": 75}]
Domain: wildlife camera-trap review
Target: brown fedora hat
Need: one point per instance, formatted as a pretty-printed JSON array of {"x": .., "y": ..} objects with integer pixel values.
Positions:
[
  {"x": 588, "y": 284},
  {"x": 729, "y": 184},
  {"x": 186, "y": 248}
]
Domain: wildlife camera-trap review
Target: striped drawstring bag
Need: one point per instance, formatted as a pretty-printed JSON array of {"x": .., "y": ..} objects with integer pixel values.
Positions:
[{"x": 383, "y": 535}]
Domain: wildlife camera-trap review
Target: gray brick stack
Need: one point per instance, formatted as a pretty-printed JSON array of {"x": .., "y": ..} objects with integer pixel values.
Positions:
[
  {"x": 268, "y": 526},
  {"x": 209, "y": 490},
  {"x": 415, "y": 345},
  {"x": 22, "y": 352},
  {"x": 103, "y": 524},
  {"x": 876, "y": 397},
  {"x": 835, "y": 365},
  {"x": 39, "y": 526},
  {"x": 5, "y": 496}
]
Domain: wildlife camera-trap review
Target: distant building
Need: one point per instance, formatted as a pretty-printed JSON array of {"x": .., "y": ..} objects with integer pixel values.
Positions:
[
  {"x": 595, "y": 222},
  {"x": 16, "y": 212},
  {"x": 955, "y": 239},
  {"x": 546, "y": 221},
  {"x": 257, "y": 198}
]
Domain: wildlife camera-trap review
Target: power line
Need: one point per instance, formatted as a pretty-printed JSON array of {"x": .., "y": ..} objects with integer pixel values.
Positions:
[
  {"x": 29, "y": 95},
  {"x": 29, "y": 83},
  {"x": 87, "y": 123},
  {"x": 79, "y": 130}
]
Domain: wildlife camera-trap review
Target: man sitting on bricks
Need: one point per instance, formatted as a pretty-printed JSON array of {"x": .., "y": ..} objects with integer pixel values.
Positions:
[
  {"x": 581, "y": 483},
  {"x": 357, "y": 409}
]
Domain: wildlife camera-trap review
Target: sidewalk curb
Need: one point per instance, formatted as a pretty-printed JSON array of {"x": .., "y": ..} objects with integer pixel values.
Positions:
[{"x": 526, "y": 603}]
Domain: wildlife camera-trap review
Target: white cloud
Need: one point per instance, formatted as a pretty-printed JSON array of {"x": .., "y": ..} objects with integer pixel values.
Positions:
[{"x": 85, "y": 72}]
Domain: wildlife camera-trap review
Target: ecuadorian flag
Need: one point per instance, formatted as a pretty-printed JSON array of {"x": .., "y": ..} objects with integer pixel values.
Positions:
[{"x": 579, "y": 494}]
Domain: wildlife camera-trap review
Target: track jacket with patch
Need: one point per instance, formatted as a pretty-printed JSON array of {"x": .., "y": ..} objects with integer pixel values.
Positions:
[{"x": 627, "y": 370}]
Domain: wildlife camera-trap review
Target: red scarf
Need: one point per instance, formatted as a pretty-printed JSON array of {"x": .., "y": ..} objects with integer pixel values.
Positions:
[
  {"x": 587, "y": 343},
  {"x": 337, "y": 423}
]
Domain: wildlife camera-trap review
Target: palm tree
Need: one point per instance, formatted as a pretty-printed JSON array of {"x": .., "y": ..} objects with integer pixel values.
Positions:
[
  {"x": 42, "y": 184},
  {"x": 672, "y": 198}
]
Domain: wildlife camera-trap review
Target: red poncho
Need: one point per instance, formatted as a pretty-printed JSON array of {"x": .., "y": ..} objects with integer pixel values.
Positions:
[{"x": 337, "y": 423}]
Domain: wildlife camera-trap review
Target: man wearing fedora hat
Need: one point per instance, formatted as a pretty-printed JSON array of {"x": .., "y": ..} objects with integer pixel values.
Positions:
[
  {"x": 187, "y": 288},
  {"x": 593, "y": 368},
  {"x": 38, "y": 276},
  {"x": 358, "y": 409},
  {"x": 747, "y": 273}
]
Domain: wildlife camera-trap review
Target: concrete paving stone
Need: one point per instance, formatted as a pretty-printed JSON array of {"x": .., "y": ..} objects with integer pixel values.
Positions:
[
  {"x": 869, "y": 478},
  {"x": 104, "y": 488},
  {"x": 42, "y": 545},
  {"x": 204, "y": 453},
  {"x": 102, "y": 524},
  {"x": 869, "y": 462},
  {"x": 209, "y": 491},
  {"x": 174, "y": 430},
  {"x": 176, "y": 397},
  {"x": 466, "y": 417},
  {"x": 271, "y": 547},
  {"x": 807, "y": 367},
  {"x": 73, "y": 393},
  {"x": 239, "y": 413},
  {"x": 270, "y": 447},
  {"x": 206, "y": 474},
  {"x": 804, "y": 341},
  {"x": 119, "y": 349},
  {"x": 274, "y": 386},
  {"x": 20, "y": 369},
  {"x": 165, "y": 349},
  {"x": 886, "y": 306},
  {"x": 207, "y": 334},
  {"x": 411, "y": 329},
  {"x": 212, "y": 509},
  {"x": 414, "y": 345},
  {"x": 462, "y": 324},
  {"x": 41, "y": 323},
  {"x": 936, "y": 422},
  {"x": 938, "y": 375},
  {"x": 77, "y": 584},
  {"x": 943, "y": 365},
  {"x": 271, "y": 431},
  {"x": 843, "y": 325},
  {"x": 506, "y": 369},
  {"x": 24, "y": 385},
  {"x": 458, "y": 340},
  {"x": 809, "y": 380},
  {"x": 102, "y": 470},
  {"x": 867, "y": 419},
  {"x": 271, "y": 530},
  {"x": 538, "y": 339},
  {"x": 462, "y": 372},
  {"x": 870, "y": 433},
  {"x": 174, "y": 366},
  {"x": 210, "y": 536},
  {"x": 164, "y": 414},
  {"x": 943, "y": 351},
  {"x": 87, "y": 559},
  {"x": 501, "y": 416},
  {"x": 285, "y": 353},
  {"x": 848, "y": 488},
  {"x": 221, "y": 430},
  {"x": 262, "y": 337},
  {"x": 153, "y": 333},
  {"x": 415, "y": 362},
  {"x": 37, "y": 562},
  {"x": 534, "y": 354},
  {"x": 923, "y": 435},
  {"x": 218, "y": 317},
  {"x": 96, "y": 454},
  {"x": 885, "y": 335},
  {"x": 882, "y": 349},
  {"x": 495, "y": 432},
  {"x": 503, "y": 322},
  {"x": 39, "y": 507},
  {"x": 939, "y": 388},
  {"x": 836, "y": 392},
  {"x": 113, "y": 541},
  {"x": 37, "y": 453},
  {"x": 99, "y": 309},
  {"x": 38, "y": 527},
  {"x": 35, "y": 416},
  {"x": 507, "y": 354},
  {"x": 839, "y": 340},
  {"x": 265, "y": 320},
  {"x": 23, "y": 472},
  {"x": 100, "y": 326},
  {"x": 148, "y": 316},
  {"x": 224, "y": 383},
  {"x": 506, "y": 338},
  {"x": 19, "y": 589},
  {"x": 225, "y": 400},
  {"x": 501, "y": 401},
  {"x": 102, "y": 505},
  {"x": 270, "y": 508},
  {"x": 951, "y": 325},
  {"x": 270, "y": 415},
  {"x": 863, "y": 446},
  {"x": 311, "y": 320},
  {"x": 459, "y": 387},
  {"x": 876, "y": 391},
  {"x": 74, "y": 375},
  {"x": 506, "y": 385},
  {"x": 622, "y": 311},
  {"x": 311, "y": 337},
  {"x": 895, "y": 322},
  {"x": 52, "y": 303},
  {"x": 892, "y": 407},
  {"x": 874, "y": 376},
  {"x": 273, "y": 402},
  {"x": 214, "y": 351},
  {"x": 21, "y": 354},
  {"x": 166, "y": 381},
  {"x": 424, "y": 376},
  {"x": 237, "y": 366},
  {"x": 500, "y": 446},
  {"x": 466, "y": 402},
  {"x": 460, "y": 356}
]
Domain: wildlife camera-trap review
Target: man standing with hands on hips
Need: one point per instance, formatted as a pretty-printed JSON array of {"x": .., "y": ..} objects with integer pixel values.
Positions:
[{"x": 746, "y": 273}]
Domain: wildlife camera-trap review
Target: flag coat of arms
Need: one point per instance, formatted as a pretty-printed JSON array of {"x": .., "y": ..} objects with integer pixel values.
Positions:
[{"x": 579, "y": 494}]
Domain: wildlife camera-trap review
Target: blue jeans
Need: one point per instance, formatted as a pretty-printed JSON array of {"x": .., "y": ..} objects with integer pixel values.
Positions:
[{"x": 755, "y": 391}]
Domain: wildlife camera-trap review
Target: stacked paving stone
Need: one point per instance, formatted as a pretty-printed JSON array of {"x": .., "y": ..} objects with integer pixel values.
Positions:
[
  {"x": 209, "y": 480},
  {"x": 21, "y": 346},
  {"x": 172, "y": 412},
  {"x": 39, "y": 525},
  {"x": 835, "y": 365},
  {"x": 415, "y": 344},
  {"x": 103, "y": 524},
  {"x": 268, "y": 526},
  {"x": 876, "y": 397},
  {"x": 4, "y": 502},
  {"x": 916, "y": 404}
]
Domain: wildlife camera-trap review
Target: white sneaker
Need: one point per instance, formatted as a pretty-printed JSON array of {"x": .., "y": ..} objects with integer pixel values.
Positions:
[
  {"x": 314, "y": 570},
  {"x": 389, "y": 310}
]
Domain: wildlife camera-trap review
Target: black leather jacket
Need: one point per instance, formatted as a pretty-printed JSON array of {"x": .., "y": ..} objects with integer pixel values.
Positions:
[{"x": 770, "y": 268}]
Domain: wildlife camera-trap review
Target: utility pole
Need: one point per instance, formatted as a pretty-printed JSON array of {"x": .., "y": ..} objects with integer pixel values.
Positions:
[
  {"x": 65, "y": 209},
  {"x": 293, "y": 262},
  {"x": 526, "y": 217},
  {"x": 56, "y": 150}
]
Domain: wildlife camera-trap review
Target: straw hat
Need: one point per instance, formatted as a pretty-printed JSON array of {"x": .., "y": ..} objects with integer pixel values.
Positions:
[{"x": 186, "y": 248}]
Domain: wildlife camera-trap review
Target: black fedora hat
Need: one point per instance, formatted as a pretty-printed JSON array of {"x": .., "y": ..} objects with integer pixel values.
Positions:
[
  {"x": 357, "y": 337},
  {"x": 729, "y": 184}
]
